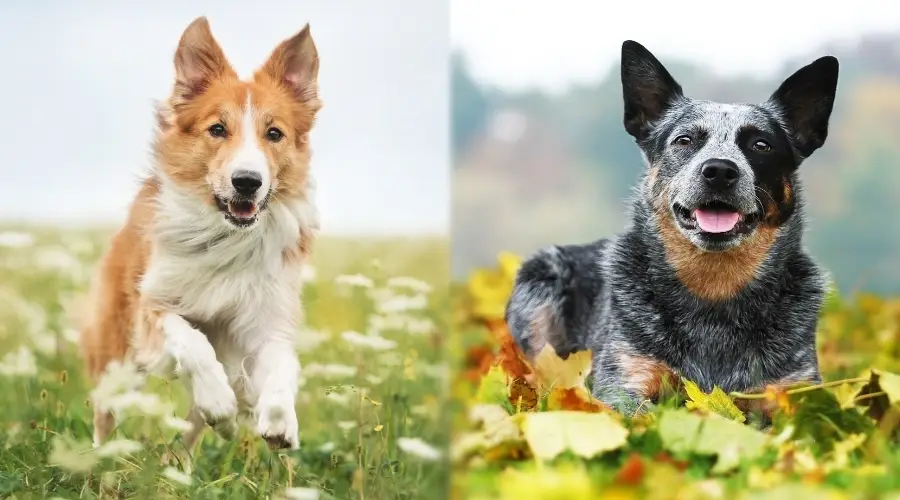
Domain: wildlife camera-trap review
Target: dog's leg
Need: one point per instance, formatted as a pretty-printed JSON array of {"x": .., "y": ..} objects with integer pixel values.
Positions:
[
  {"x": 104, "y": 422},
  {"x": 551, "y": 298},
  {"x": 630, "y": 383},
  {"x": 275, "y": 378},
  {"x": 189, "y": 440},
  {"x": 166, "y": 338}
]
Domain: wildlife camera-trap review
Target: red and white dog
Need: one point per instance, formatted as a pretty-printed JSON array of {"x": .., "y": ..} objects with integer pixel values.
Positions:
[{"x": 204, "y": 277}]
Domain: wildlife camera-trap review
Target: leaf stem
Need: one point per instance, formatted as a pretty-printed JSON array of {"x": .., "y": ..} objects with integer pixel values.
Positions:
[
  {"x": 869, "y": 396},
  {"x": 833, "y": 383}
]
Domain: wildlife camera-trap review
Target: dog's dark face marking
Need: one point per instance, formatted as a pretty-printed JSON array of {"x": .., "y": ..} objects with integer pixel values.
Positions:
[{"x": 721, "y": 176}]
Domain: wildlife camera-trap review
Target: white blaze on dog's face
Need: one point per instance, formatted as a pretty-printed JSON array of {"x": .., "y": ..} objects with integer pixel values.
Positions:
[{"x": 239, "y": 145}]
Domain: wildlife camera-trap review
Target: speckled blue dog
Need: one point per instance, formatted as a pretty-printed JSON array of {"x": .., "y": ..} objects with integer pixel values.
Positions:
[{"x": 710, "y": 280}]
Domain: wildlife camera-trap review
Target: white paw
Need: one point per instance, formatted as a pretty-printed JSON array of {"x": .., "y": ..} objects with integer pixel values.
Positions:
[
  {"x": 277, "y": 422},
  {"x": 217, "y": 403}
]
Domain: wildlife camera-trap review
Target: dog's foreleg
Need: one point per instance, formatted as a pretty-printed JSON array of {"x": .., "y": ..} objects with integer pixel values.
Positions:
[
  {"x": 167, "y": 338},
  {"x": 629, "y": 382},
  {"x": 275, "y": 378}
]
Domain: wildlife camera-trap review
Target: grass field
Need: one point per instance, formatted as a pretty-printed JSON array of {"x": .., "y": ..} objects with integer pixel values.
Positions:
[
  {"x": 531, "y": 430},
  {"x": 370, "y": 406}
]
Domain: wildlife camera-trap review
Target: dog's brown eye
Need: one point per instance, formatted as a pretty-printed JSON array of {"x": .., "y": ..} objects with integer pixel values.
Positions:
[
  {"x": 762, "y": 146},
  {"x": 217, "y": 130},
  {"x": 274, "y": 135},
  {"x": 683, "y": 140}
]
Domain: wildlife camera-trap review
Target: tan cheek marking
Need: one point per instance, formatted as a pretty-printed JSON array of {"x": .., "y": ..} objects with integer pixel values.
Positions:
[{"x": 713, "y": 276}]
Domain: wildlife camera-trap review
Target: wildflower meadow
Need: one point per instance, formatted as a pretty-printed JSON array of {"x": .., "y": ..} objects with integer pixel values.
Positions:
[
  {"x": 533, "y": 430},
  {"x": 370, "y": 406}
]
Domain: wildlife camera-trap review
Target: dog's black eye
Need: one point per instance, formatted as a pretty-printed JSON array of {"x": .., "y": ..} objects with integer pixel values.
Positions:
[
  {"x": 217, "y": 130},
  {"x": 274, "y": 135},
  {"x": 762, "y": 146},
  {"x": 683, "y": 140}
]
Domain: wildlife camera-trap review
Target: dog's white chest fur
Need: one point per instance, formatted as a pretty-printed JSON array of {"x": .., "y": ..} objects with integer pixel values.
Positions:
[{"x": 211, "y": 273}]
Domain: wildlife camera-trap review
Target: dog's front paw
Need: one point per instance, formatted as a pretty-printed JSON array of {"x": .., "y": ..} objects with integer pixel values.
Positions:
[
  {"x": 277, "y": 422},
  {"x": 217, "y": 403}
]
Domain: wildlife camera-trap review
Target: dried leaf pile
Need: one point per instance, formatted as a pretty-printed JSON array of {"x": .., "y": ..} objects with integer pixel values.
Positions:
[{"x": 533, "y": 430}]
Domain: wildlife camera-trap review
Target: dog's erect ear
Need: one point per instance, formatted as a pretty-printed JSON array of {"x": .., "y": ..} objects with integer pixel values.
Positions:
[
  {"x": 647, "y": 87},
  {"x": 295, "y": 64},
  {"x": 198, "y": 60},
  {"x": 806, "y": 99}
]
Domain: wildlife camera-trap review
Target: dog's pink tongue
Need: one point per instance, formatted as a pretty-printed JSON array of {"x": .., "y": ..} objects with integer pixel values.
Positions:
[{"x": 716, "y": 221}]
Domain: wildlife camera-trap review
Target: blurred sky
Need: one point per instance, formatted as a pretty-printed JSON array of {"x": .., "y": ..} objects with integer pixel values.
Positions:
[
  {"x": 79, "y": 78},
  {"x": 551, "y": 44}
]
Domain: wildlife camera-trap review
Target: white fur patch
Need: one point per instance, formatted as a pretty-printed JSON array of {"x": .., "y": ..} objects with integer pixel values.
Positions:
[
  {"x": 236, "y": 287},
  {"x": 249, "y": 155}
]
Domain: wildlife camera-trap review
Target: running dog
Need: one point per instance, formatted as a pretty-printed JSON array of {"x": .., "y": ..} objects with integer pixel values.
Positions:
[{"x": 203, "y": 280}]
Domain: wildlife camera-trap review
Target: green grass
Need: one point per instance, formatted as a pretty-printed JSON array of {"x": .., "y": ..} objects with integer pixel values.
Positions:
[{"x": 349, "y": 445}]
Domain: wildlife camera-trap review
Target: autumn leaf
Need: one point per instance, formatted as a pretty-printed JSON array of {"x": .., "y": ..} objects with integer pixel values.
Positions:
[
  {"x": 549, "y": 434},
  {"x": 881, "y": 398},
  {"x": 716, "y": 402},
  {"x": 496, "y": 435},
  {"x": 632, "y": 471},
  {"x": 820, "y": 418},
  {"x": 564, "y": 483},
  {"x": 710, "y": 434},
  {"x": 493, "y": 388},
  {"x": 522, "y": 395},
  {"x": 574, "y": 399},
  {"x": 510, "y": 356},
  {"x": 551, "y": 371},
  {"x": 779, "y": 397},
  {"x": 489, "y": 289}
]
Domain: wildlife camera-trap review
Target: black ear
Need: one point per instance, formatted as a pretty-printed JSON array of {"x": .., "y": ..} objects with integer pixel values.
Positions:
[
  {"x": 647, "y": 87},
  {"x": 806, "y": 99}
]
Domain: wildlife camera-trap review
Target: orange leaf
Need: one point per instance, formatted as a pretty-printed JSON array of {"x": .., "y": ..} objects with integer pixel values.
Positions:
[
  {"x": 510, "y": 356},
  {"x": 574, "y": 399},
  {"x": 521, "y": 394},
  {"x": 632, "y": 471},
  {"x": 778, "y": 395},
  {"x": 665, "y": 458}
]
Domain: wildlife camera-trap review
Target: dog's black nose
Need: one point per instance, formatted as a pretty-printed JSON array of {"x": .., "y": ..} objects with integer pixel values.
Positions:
[
  {"x": 246, "y": 182},
  {"x": 719, "y": 174}
]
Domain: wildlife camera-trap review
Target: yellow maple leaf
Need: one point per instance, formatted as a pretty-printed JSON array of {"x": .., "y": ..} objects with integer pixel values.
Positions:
[
  {"x": 509, "y": 264},
  {"x": 549, "y": 434},
  {"x": 489, "y": 289},
  {"x": 551, "y": 371},
  {"x": 716, "y": 402}
]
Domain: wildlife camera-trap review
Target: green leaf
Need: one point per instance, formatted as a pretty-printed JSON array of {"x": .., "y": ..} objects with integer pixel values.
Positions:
[
  {"x": 549, "y": 434},
  {"x": 820, "y": 418},
  {"x": 715, "y": 402},
  {"x": 880, "y": 395},
  {"x": 712, "y": 434},
  {"x": 493, "y": 388}
]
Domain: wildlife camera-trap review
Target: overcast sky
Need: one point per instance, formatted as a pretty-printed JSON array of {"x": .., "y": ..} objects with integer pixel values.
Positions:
[
  {"x": 550, "y": 44},
  {"x": 79, "y": 77}
]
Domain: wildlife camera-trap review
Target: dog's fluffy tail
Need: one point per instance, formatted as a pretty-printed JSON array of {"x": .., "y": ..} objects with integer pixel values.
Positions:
[{"x": 553, "y": 298}]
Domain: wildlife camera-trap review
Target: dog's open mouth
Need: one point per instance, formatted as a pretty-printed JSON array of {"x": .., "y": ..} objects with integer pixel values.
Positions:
[
  {"x": 716, "y": 218},
  {"x": 239, "y": 212}
]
